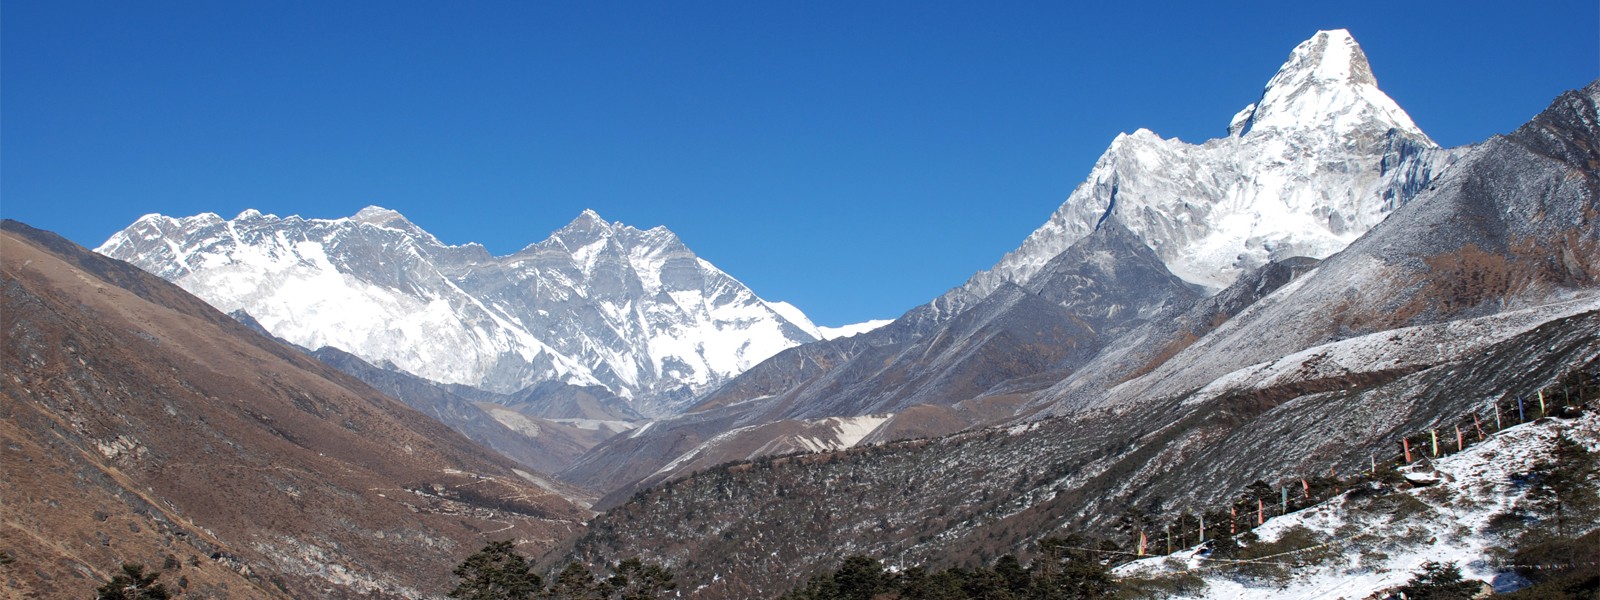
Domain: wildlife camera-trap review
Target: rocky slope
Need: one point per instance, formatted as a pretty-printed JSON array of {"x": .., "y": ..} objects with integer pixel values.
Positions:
[
  {"x": 142, "y": 425},
  {"x": 597, "y": 303},
  {"x": 754, "y": 529}
]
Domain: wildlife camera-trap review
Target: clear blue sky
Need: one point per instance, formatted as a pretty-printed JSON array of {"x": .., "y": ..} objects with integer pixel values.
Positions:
[{"x": 853, "y": 158}]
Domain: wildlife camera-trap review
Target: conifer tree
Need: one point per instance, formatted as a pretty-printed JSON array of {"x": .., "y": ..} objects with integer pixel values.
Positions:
[
  {"x": 496, "y": 572},
  {"x": 575, "y": 582},
  {"x": 133, "y": 583},
  {"x": 1438, "y": 581},
  {"x": 860, "y": 578},
  {"x": 633, "y": 579},
  {"x": 1563, "y": 488}
]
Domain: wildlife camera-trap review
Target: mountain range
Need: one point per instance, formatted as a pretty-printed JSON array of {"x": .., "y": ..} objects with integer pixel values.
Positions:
[
  {"x": 597, "y": 303},
  {"x": 1294, "y": 297}
]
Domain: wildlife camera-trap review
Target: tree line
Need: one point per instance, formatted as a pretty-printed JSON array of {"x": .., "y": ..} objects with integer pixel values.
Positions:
[{"x": 497, "y": 572}]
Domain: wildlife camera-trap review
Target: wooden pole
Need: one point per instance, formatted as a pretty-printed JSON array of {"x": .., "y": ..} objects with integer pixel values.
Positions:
[{"x": 1406, "y": 443}]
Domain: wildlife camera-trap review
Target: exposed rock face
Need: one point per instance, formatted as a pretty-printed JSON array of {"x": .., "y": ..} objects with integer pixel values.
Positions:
[
  {"x": 597, "y": 303},
  {"x": 140, "y": 423}
]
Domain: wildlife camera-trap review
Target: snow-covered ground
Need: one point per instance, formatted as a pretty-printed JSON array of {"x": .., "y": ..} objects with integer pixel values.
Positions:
[
  {"x": 838, "y": 433},
  {"x": 1374, "y": 550}
]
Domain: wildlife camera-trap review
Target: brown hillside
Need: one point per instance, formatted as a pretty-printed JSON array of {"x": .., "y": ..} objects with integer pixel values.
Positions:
[{"x": 140, "y": 425}]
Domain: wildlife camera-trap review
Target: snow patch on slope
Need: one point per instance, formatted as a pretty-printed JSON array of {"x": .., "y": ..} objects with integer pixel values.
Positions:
[
  {"x": 1419, "y": 346},
  {"x": 1380, "y": 552},
  {"x": 845, "y": 432},
  {"x": 844, "y": 331}
]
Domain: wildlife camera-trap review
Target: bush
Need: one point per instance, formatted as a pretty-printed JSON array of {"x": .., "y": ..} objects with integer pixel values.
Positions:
[{"x": 1299, "y": 540}]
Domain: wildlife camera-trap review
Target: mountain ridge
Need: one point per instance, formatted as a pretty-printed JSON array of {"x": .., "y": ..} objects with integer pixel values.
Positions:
[{"x": 596, "y": 303}]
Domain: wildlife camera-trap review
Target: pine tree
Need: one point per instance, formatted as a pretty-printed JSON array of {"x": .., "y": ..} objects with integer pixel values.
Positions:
[
  {"x": 1012, "y": 572},
  {"x": 1068, "y": 569},
  {"x": 1563, "y": 488},
  {"x": 575, "y": 582},
  {"x": 633, "y": 579},
  {"x": 496, "y": 572},
  {"x": 1438, "y": 581},
  {"x": 133, "y": 584},
  {"x": 861, "y": 578}
]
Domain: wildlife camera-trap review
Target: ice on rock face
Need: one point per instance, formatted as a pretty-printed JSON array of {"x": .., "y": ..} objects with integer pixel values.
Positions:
[
  {"x": 596, "y": 303},
  {"x": 1320, "y": 158},
  {"x": 1327, "y": 84}
]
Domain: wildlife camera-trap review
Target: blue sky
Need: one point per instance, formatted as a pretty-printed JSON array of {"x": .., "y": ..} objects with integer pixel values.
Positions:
[{"x": 853, "y": 158}]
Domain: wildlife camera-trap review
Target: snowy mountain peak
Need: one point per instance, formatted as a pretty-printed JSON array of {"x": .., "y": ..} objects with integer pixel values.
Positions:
[
  {"x": 390, "y": 219},
  {"x": 586, "y": 229},
  {"x": 378, "y": 215},
  {"x": 1330, "y": 55},
  {"x": 1319, "y": 158},
  {"x": 588, "y": 219},
  {"x": 1326, "y": 86}
]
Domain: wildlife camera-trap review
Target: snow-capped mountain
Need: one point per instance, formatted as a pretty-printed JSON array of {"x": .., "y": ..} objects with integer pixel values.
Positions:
[
  {"x": 1099, "y": 308},
  {"x": 1318, "y": 160},
  {"x": 595, "y": 303}
]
